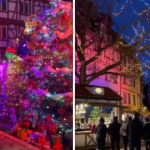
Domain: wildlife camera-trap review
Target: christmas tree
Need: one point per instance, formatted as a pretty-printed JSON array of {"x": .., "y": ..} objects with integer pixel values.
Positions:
[
  {"x": 42, "y": 89},
  {"x": 95, "y": 113}
]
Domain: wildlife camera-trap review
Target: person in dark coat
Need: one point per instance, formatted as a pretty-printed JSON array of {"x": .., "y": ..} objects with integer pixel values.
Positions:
[
  {"x": 135, "y": 133},
  {"x": 146, "y": 133},
  {"x": 114, "y": 131},
  {"x": 101, "y": 131}
]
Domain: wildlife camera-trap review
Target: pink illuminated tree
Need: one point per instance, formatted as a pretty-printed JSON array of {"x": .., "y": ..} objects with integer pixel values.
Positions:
[{"x": 97, "y": 34}]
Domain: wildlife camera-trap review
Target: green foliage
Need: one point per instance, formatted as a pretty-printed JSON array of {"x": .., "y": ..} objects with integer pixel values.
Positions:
[{"x": 95, "y": 113}]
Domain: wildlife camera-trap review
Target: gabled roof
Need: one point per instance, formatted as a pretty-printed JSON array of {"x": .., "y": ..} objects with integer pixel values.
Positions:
[{"x": 95, "y": 92}]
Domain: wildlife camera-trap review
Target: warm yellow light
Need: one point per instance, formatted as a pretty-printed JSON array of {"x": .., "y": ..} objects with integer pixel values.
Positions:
[{"x": 98, "y": 90}]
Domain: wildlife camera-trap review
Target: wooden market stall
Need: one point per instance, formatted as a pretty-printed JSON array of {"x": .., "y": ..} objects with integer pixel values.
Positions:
[{"x": 94, "y": 96}]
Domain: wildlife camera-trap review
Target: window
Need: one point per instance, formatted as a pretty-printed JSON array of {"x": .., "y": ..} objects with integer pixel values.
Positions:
[
  {"x": 24, "y": 7},
  {"x": 134, "y": 101},
  {"x": 46, "y": 7},
  {"x": 0, "y": 33},
  {"x": 3, "y": 32},
  {"x": 124, "y": 80},
  {"x": 124, "y": 98},
  {"x": 114, "y": 78},
  {"x": 129, "y": 81},
  {"x": 129, "y": 100},
  {"x": 3, "y": 4},
  {"x": 21, "y": 8},
  {"x": 133, "y": 83}
]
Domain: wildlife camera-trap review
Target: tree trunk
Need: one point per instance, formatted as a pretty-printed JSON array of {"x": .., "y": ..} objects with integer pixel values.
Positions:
[{"x": 83, "y": 73}]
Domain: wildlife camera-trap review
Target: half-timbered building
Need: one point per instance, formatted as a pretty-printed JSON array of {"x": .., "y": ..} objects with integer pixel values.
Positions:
[{"x": 13, "y": 13}]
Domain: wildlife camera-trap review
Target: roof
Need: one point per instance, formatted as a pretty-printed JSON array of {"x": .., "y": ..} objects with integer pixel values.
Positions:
[{"x": 85, "y": 91}]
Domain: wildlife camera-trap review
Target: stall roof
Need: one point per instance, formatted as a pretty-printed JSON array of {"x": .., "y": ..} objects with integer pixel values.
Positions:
[{"x": 95, "y": 92}]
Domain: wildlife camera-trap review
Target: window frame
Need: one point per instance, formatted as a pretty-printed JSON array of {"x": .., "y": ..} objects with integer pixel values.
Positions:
[
  {"x": 22, "y": 7},
  {"x": 2, "y": 7},
  {"x": 1, "y": 32}
]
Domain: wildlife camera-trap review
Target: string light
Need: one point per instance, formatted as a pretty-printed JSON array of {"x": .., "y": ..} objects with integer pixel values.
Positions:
[{"x": 41, "y": 82}]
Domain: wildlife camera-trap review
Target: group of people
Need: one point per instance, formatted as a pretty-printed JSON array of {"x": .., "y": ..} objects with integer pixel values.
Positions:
[{"x": 131, "y": 130}]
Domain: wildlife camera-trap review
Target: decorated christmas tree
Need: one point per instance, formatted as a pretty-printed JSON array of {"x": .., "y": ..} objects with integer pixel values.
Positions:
[
  {"x": 95, "y": 113},
  {"x": 42, "y": 90}
]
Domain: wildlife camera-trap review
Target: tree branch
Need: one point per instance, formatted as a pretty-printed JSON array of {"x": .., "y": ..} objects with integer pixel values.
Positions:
[{"x": 104, "y": 71}]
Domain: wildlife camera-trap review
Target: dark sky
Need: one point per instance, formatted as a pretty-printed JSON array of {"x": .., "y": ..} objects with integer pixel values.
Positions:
[{"x": 136, "y": 15}]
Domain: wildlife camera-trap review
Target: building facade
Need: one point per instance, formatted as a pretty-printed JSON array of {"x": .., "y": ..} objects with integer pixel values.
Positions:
[
  {"x": 13, "y": 13},
  {"x": 128, "y": 88}
]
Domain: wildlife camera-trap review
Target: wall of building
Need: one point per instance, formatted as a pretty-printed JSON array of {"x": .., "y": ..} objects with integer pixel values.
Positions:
[
  {"x": 14, "y": 13},
  {"x": 127, "y": 88}
]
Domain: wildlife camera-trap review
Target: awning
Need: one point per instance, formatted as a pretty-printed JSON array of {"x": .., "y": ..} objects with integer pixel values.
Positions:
[{"x": 96, "y": 95}]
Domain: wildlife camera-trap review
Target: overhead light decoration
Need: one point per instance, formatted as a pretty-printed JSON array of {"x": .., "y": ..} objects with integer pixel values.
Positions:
[
  {"x": 99, "y": 90},
  {"x": 96, "y": 90}
]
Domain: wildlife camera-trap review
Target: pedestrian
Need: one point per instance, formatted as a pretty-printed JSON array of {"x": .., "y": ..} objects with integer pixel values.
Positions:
[
  {"x": 114, "y": 131},
  {"x": 146, "y": 133},
  {"x": 124, "y": 134},
  {"x": 135, "y": 133},
  {"x": 101, "y": 131}
]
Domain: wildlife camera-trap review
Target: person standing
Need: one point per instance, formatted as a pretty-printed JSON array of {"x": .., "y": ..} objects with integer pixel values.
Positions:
[
  {"x": 101, "y": 131},
  {"x": 146, "y": 133},
  {"x": 135, "y": 133},
  {"x": 124, "y": 135},
  {"x": 114, "y": 131}
]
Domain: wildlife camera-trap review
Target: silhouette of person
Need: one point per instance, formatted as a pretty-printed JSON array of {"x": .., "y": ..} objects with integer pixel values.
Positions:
[
  {"x": 146, "y": 133},
  {"x": 114, "y": 131},
  {"x": 101, "y": 131},
  {"x": 135, "y": 133}
]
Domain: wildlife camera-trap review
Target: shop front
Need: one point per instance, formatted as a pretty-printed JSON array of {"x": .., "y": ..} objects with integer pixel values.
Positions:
[{"x": 91, "y": 103}]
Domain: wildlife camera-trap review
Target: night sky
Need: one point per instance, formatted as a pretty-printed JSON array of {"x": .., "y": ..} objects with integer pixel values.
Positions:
[{"x": 135, "y": 15}]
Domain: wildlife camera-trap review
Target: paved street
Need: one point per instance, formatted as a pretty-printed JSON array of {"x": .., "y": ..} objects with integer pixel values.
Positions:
[
  {"x": 143, "y": 148},
  {"x": 8, "y": 142}
]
